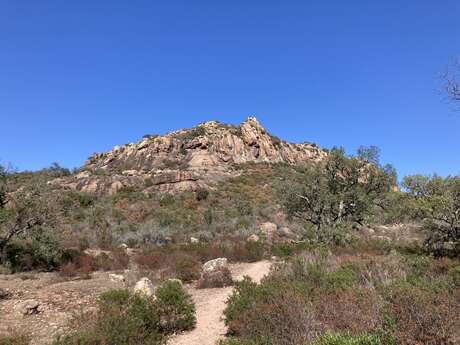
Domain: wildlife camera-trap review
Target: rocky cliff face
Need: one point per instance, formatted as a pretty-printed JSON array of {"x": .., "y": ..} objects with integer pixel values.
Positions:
[{"x": 185, "y": 159}]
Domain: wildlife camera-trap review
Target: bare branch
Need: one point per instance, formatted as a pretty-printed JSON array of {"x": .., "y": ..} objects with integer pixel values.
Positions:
[{"x": 452, "y": 82}]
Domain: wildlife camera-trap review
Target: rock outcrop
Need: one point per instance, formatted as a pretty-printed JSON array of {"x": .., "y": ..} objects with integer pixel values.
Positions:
[
  {"x": 185, "y": 159},
  {"x": 214, "y": 265},
  {"x": 215, "y": 274},
  {"x": 144, "y": 287}
]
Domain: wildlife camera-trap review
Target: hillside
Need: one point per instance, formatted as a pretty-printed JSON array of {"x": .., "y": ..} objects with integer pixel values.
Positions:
[
  {"x": 142, "y": 244},
  {"x": 186, "y": 160}
]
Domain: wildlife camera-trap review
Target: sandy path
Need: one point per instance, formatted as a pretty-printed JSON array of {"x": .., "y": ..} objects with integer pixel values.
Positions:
[{"x": 210, "y": 304}]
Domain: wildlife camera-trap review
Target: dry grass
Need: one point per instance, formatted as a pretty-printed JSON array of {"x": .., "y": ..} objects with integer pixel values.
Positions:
[
  {"x": 284, "y": 320},
  {"x": 83, "y": 265},
  {"x": 424, "y": 317},
  {"x": 354, "y": 311},
  {"x": 409, "y": 298}
]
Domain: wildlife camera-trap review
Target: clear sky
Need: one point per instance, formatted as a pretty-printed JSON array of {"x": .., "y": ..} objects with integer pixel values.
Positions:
[{"x": 78, "y": 77}]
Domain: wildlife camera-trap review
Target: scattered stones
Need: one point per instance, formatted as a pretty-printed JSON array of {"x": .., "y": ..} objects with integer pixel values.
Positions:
[
  {"x": 4, "y": 294},
  {"x": 214, "y": 265},
  {"x": 253, "y": 238},
  {"x": 145, "y": 287},
  {"x": 30, "y": 307},
  {"x": 96, "y": 252},
  {"x": 118, "y": 278}
]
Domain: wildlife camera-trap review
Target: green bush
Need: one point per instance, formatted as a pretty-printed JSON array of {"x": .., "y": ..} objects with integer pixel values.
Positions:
[
  {"x": 455, "y": 274},
  {"x": 127, "y": 318},
  {"x": 341, "y": 279},
  {"x": 167, "y": 200},
  {"x": 42, "y": 251},
  {"x": 194, "y": 133},
  {"x": 175, "y": 306},
  {"x": 347, "y": 339},
  {"x": 283, "y": 249},
  {"x": 134, "y": 319},
  {"x": 122, "y": 319},
  {"x": 208, "y": 216},
  {"x": 254, "y": 251},
  {"x": 202, "y": 194},
  {"x": 245, "y": 294},
  {"x": 85, "y": 200},
  {"x": 437, "y": 201},
  {"x": 317, "y": 276},
  {"x": 235, "y": 341},
  {"x": 18, "y": 256},
  {"x": 244, "y": 207},
  {"x": 46, "y": 249},
  {"x": 187, "y": 269}
]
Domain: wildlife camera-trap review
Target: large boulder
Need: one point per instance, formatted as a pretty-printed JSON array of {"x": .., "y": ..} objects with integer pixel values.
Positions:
[
  {"x": 221, "y": 277},
  {"x": 144, "y": 287},
  {"x": 215, "y": 265},
  {"x": 216, "y": 274}
]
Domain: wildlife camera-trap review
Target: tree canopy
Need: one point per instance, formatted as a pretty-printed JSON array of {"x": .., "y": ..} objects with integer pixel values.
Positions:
[{"x": 339, "y": 189}]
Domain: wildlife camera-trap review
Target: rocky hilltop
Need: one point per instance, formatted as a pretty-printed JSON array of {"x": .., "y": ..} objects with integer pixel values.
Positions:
[{"x": 186, "y": 159}]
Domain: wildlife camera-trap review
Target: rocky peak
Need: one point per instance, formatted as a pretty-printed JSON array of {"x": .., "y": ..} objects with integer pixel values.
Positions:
[
  {"x": 186, "y": 159},
  {"x": 252, "y": 121}
]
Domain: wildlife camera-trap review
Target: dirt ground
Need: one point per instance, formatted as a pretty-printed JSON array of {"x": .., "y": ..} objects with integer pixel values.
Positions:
[
  {"x": 59, "y": 300},
  {"x": 210, "y": 304}
]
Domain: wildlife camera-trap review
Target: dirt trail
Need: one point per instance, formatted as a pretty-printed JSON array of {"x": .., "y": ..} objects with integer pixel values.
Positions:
[{"x": 210, "y": 304}]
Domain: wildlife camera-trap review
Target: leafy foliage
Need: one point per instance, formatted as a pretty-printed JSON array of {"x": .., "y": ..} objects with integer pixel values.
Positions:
[
  {"x": 321, "y": 298},
  {"x": 341, "y": 189},
  {"x": 175, "y": 307},
  {"x": 348, "y": 339},
  {"x": 437, "y": 200},
  {"x": 202, "y": 194},
  {"x": 3, "y": 188},
  {"x": 133, "y": 319}
]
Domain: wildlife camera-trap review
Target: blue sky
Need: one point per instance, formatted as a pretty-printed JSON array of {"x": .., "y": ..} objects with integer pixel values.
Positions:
[{"x": 78, "y": 77}]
